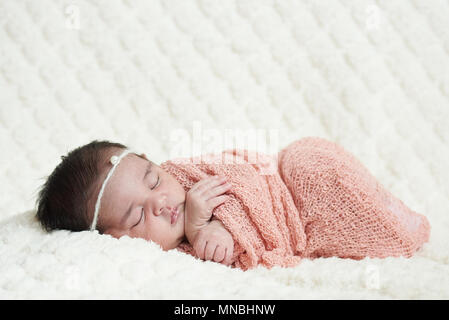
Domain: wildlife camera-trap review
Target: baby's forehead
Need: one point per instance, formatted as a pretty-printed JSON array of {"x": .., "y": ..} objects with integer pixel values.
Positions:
[
  {"x": 128, "y": 172},
  {"x": 129, "y": 167},
  {"x": 122, "y": 185},
  {"x": 139, "y": 157},
  {"x": 129, "y": 161}
]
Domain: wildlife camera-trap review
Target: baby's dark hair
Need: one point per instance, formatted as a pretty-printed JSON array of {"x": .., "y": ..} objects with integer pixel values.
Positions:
[{"x": 63, "y": 201}]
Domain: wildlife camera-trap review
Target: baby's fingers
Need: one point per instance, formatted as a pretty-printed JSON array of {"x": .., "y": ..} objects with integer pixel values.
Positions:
[
  {"x": 209, "y": 183},
  {"x": 210, "y": 250},
  {"x": 200, "y": 247},
  {"x": 216, "y": 191},
  {"x": 219, "y": 254},
  {"x": 215, "y": 202},
  {"x": 228, "y": 258}
]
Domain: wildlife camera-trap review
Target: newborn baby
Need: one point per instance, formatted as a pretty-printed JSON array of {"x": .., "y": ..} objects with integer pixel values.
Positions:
[
  {"x": 313, "y": 199},
  {"x": 139, "y": 200}
]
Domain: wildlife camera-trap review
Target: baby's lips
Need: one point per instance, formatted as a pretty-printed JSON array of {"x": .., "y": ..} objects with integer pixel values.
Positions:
[{"x": 168, "y": 210}]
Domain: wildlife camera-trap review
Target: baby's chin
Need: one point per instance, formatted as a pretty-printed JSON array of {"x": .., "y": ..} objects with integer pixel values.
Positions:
[{"x": 171, "y": 246}]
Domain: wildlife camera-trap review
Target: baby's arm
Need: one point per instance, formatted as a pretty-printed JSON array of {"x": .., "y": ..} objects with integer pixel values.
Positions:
[{"x": 214, "y": 242}]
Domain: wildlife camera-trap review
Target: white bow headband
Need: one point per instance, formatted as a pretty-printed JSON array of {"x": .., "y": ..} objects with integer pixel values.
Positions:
[{"x": 115, "y": 160}]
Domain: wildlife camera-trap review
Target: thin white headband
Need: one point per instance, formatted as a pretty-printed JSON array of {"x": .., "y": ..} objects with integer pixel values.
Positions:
[{"x": 115, "y": 160}]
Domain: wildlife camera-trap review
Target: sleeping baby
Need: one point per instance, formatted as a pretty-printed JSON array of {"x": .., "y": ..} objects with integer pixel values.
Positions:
[{"x": 240, "y": 208}]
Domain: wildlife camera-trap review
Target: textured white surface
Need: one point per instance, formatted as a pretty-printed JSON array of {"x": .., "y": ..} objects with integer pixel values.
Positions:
[{"x": 370, "y": 75}]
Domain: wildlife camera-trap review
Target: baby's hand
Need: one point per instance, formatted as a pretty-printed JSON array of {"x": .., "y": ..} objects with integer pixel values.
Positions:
[
  {"x": 215, "y": 243},
  {"x": 201, "y": 200}
]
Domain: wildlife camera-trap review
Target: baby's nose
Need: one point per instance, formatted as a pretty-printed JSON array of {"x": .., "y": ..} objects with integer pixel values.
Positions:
[
  {"x": 161, "y": 205},
  {"x": 158, "y": 212}
]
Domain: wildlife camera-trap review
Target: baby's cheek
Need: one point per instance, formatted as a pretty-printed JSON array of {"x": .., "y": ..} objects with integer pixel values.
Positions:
[{"x": 150, "y": 232}]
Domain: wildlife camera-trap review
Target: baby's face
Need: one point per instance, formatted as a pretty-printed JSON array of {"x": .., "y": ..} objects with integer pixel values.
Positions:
[{"x": 137, "y": 201}]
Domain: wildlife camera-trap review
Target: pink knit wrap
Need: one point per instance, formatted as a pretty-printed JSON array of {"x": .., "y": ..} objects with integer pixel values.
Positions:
[{"x": 312, "y": 199}]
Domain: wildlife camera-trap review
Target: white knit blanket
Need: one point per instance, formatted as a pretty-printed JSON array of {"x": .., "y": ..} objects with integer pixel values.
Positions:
[{"x": 370, "y": 75}]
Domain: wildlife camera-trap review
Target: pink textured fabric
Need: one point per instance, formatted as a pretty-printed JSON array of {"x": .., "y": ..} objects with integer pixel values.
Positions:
[{"x": 312, "y": 199}]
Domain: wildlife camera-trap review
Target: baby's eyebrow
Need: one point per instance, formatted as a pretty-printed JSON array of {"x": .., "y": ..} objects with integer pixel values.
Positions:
[
  {"x": 128, "y": 211},
  {"x": 148, "y": 170}
]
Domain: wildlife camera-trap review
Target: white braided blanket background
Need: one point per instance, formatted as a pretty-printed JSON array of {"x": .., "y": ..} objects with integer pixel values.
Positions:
[{"x": 370, "y": 75}]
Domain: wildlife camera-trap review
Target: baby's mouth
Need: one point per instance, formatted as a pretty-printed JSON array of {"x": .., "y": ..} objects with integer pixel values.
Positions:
[
  {"x": 174, "y": 213},
  {"x": 174, "y": 216}
]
